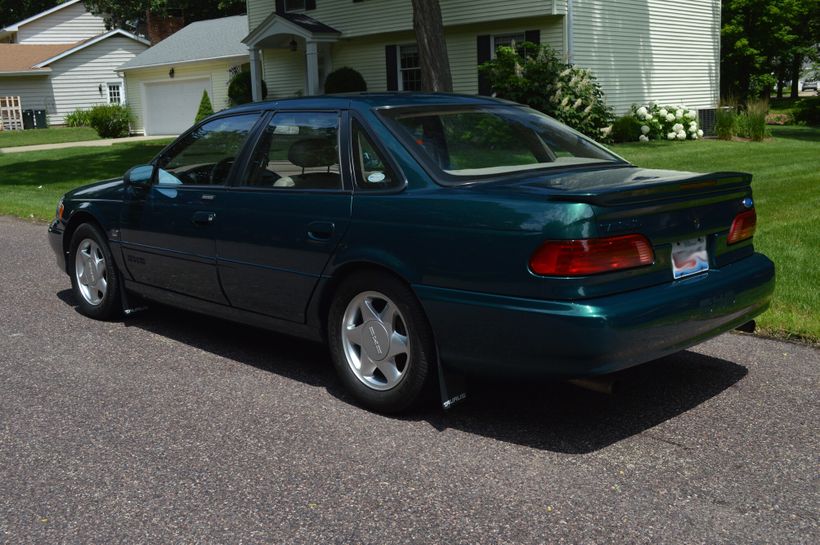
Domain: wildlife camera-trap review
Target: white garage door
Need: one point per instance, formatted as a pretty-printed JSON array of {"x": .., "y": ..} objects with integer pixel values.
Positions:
[{"x": 170, "y": 107}]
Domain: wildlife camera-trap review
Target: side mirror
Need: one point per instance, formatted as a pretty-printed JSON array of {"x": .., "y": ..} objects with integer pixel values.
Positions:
[{"x": 139, "y": 176}]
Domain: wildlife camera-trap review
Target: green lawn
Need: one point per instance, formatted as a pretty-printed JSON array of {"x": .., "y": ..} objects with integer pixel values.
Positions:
[
  {"x": 9, "y": 139},
  {"x": 787, "y": 192},
  {"x": 786, "y": 184},
  {"x": 31, "y": 182}
]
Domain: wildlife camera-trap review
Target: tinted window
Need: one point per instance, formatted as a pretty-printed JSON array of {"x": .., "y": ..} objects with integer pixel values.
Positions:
[
  {"x": 372, "y": 171},
  {"x": 474, "y": 142},
  {"x": 205, "y": 156},
  {"x": 298, "y": 150}
]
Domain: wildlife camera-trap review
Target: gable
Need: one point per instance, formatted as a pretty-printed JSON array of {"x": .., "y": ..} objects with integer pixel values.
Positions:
[{"x": 69, "y": 24}]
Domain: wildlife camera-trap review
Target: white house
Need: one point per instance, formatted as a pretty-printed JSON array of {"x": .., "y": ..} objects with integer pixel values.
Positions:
[
  {"x": 165, "y": 83},
  {"x": 63, "y": 59},
  {"x": 640, "y": 50}
]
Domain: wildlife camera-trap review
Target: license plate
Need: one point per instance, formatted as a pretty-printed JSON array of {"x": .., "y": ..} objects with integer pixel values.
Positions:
[{"x": 689, "y": 257}]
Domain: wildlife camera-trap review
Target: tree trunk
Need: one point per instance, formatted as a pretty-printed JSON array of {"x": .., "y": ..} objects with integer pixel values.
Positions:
[
  {"x": 781, "y": 78},
  {"x": 797, "y": 65},
  {"x": 435, "y": 64}
]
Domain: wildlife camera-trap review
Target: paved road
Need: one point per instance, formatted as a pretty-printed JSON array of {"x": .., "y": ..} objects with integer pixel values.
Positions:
[{"x": 172, "y": 428}]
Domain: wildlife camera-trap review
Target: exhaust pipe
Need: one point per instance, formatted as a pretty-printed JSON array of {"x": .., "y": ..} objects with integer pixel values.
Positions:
[{"x": 602, "y": 385}]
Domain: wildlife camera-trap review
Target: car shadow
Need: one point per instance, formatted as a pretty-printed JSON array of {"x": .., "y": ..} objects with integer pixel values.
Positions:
[{"x": 554, "y": 416}]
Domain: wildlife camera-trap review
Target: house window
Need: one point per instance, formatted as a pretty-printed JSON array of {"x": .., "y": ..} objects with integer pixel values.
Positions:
[
  {"x": 409, "y": 68},
  {"x": 294, "y": 5},
  {"x": 114, "y": 93},
  {"x": 507, "y": 40}
]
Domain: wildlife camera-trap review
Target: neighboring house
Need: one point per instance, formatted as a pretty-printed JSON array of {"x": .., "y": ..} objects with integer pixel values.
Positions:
[
  {"x": 165, "y": 82},
  {"x": 640, "y": 50},
  {"x": 63, "y": 59}
]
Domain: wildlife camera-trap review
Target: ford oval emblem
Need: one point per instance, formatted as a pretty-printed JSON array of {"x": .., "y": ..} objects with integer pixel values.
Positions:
[{"x": 748, "y": 202}]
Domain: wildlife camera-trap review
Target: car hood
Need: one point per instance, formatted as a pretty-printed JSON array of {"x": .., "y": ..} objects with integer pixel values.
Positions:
[{"x": 105, "y": 189}]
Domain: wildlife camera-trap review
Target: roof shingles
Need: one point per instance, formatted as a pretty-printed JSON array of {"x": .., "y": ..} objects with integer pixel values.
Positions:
[{"x": 22, "y": 57}]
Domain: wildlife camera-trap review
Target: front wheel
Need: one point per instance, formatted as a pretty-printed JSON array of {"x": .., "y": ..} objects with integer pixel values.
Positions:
[
  {"x": 94, "y": 278},
  {"x": 381, "y": 343}
]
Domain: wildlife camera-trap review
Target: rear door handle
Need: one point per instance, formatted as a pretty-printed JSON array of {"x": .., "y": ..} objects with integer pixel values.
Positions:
[
  {"x": 203, "y": 218},
  {"x": 321, "y": 231}
]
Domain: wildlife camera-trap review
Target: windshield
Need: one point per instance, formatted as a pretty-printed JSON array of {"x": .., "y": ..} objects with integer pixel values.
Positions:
[{"x": 462, "y": 144}]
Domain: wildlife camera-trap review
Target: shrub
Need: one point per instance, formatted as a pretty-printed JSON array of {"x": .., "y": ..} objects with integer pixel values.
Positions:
[
  {"x": 755, "y": 119},
  {"x": 110, "y": 120},
  {"x": 78, "y": 118},
  {"x": 667, "y": 122},
  {"x": 534, "y": 75},
  {"x": 240, "y": 90},
  {"x": 726, "y": 120},
  {"x": 779, "y": 119},
  {"x": 626, "y": 129},
  {"x": 205, "y": 108},
  {"x": 807, "y": 111},
  {"x": 344, "y": 80}
]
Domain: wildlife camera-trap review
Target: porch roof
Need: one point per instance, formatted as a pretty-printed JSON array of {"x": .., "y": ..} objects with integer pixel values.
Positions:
[{"x": 295, "y": 24}]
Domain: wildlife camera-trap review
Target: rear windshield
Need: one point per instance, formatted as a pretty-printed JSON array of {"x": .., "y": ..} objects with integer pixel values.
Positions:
[{"x": 466, "y": 144}]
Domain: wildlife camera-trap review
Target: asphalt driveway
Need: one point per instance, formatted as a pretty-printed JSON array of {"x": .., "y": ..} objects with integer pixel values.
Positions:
[{"x": 173, "y": 428}]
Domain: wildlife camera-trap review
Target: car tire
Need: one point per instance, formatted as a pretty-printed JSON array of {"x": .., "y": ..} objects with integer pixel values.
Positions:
[
  {"x": 95, "y": 280},
  {"x": 381, "y": 343}
]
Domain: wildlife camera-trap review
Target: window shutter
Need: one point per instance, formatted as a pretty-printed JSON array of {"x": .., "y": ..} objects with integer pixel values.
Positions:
[
  {"x": 310, "y": 4},
  {"x": 280, "y": 6},
  {"x": 533, "y": 36},
  {"x": 483, "y": 48},
  {"x": 391, "y": 57}
]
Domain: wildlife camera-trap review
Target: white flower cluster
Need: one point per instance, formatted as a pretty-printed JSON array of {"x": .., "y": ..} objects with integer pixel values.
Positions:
[{"x": 671, "y": 122}]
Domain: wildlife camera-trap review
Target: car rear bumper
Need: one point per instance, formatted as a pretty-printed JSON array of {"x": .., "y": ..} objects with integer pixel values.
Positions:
[
  {"x": 490, "y": 334},
  {"x": 55, "y": 240}
]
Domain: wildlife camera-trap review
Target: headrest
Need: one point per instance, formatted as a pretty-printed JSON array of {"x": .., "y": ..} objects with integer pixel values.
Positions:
[{"x": 313, "y": 152}]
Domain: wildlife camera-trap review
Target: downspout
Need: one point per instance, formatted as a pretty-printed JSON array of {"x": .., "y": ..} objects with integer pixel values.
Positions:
[{"x": 570, "y": 34}]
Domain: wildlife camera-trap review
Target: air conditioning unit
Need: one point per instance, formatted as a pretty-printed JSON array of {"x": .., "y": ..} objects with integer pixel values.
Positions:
[{"x": 706, "y": 120}]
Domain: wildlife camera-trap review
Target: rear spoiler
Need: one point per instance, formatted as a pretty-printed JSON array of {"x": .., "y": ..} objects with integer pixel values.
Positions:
[{"x": 662, "y": 189}]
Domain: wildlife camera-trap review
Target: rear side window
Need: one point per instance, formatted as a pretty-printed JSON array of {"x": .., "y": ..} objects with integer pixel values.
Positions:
[
  {"x": 298, "y": 150},
  {"x": 205, "y": 155},
  {"x": 371, "y": 169}
]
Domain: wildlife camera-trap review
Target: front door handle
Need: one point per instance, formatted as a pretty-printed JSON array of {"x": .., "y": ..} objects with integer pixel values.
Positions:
[
  {"x": 321, "y": 231},
  {"x": 203, "y": 218}
]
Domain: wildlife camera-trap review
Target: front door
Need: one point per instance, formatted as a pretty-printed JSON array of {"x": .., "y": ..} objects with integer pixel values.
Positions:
[
  {"x": 167, "y": 229},
  {"x": 285, "y": 216}
]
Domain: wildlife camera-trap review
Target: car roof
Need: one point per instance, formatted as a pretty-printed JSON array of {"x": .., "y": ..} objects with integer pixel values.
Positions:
[{"x": 371, "y": 100}]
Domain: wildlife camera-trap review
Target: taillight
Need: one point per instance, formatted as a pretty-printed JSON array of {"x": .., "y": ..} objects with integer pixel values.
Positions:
[
  {"x": 743, "y": 227},
  {"x": 591, "y": 256}
]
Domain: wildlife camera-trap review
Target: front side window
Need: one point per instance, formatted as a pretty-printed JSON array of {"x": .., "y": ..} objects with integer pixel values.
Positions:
[
  {"x": 466, "y": 144},
  {"x": 409, "y": 68},
  {"x": 298, "y": 150},
  {"x": 294, "y": 5},
  {"x": 205, "y": 156}
]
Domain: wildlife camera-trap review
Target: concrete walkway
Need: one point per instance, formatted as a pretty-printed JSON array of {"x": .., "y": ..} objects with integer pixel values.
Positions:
[{"x": 84, "y": 144}]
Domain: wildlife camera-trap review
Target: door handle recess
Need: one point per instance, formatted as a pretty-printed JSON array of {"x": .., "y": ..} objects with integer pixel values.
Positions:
[
  {"x": 203, "y": 218},
  {"x": 321, "y": 230}
]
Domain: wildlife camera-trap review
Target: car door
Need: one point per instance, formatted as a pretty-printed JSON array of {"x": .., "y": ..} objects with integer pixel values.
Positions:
[
  {"x": 285, "y": 214},
  {"x": 167, "y": 228}
]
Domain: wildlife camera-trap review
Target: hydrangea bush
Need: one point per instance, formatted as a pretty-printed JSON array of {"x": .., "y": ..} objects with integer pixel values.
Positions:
[
  {"x": 534, "y": 74},
  {"x": 667, "y": 122}
]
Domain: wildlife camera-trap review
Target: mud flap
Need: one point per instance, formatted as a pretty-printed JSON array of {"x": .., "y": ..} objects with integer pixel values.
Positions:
[
  {"x": 127, "y": 309},
  {"x": 452, "y": 386}
]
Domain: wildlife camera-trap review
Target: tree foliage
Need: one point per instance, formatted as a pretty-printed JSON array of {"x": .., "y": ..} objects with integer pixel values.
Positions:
[
  {"x": 205, "y": 108},
  {"x": 764, "y": 42},
  {"x": 345, "y": 80},
  {"x": 129, "y": 14},
  {"x": 533, "y": 74}
]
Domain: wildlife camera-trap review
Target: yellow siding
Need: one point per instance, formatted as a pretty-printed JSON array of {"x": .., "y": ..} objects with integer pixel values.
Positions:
[
  {"x": 217, "y": 71},
  {"x": 283, "y": 72},
  {"x": 668, "y": 52},
  {"x": 379, "y": 16}
]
